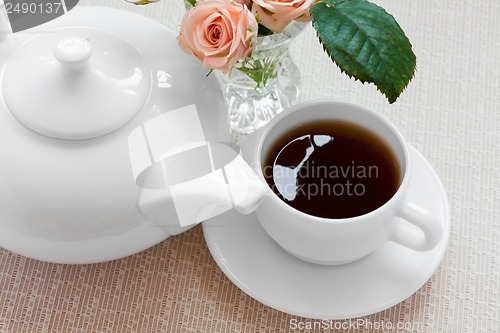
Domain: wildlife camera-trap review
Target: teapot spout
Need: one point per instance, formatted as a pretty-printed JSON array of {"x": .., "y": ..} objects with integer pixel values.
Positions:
[
  {"x": 157, "y": 206},
  {"x": 186, "y": 204},
  {"x": 180, "y": 171}
]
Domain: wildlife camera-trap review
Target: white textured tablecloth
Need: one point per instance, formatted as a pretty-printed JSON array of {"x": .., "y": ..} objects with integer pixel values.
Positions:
[{"x": 449, "y": 112}]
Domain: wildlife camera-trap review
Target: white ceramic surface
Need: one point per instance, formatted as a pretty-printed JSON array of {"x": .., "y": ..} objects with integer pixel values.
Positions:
[
  {"x": 263, "y": 270},
  {"x": 76, "y": 201},
  {"x": 338, "y": 241},
  {"x": 4, "y": 22},
  {"x": 93, "y": 83}
]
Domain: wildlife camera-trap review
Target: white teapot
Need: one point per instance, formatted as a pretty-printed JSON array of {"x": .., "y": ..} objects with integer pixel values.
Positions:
[{"x": 72, "y": 91}]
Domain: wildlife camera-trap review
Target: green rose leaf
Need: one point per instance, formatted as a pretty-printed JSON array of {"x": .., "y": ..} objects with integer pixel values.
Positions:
[
  {"x": 366, "y": 43},
  {"x": 264, "y": 31},
  {"x": 140, "y": 2}
]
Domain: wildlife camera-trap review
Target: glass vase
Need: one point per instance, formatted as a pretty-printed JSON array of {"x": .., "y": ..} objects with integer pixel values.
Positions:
[{"x": 258, "y": 88}]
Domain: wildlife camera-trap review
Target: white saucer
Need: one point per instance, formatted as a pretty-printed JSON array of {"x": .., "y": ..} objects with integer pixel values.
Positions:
[{"x": 263, "y": 270}]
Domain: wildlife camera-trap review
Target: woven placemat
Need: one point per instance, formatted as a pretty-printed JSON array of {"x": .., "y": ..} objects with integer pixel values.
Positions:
[{"x": 174, "y": 286}]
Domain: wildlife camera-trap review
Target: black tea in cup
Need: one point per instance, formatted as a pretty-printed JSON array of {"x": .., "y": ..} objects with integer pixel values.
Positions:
[{"x": 332, "y": 169}]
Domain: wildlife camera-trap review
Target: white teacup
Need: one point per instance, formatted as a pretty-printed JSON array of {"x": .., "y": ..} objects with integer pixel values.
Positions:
[{"x": 337, "y": 241}]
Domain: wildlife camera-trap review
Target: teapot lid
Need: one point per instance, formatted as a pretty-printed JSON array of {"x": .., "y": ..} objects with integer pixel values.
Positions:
[{"x": 76, "y": 83}]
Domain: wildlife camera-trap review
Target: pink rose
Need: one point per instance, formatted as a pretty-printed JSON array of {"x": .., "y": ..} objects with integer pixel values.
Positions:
[
  {"x": 219, "y": 33},
  {"x": 277, "y": 14}
]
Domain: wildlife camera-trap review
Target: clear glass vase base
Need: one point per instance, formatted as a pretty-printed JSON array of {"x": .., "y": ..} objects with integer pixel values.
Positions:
[{"x": 251, "y": 108}]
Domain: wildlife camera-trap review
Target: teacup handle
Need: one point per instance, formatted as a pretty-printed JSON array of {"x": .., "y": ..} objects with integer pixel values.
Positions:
[{"x": 421, "y": 218}]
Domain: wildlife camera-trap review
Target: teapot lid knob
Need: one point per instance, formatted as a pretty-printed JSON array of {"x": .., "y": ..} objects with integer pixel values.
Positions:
[{"x": 73, "y": 52}]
